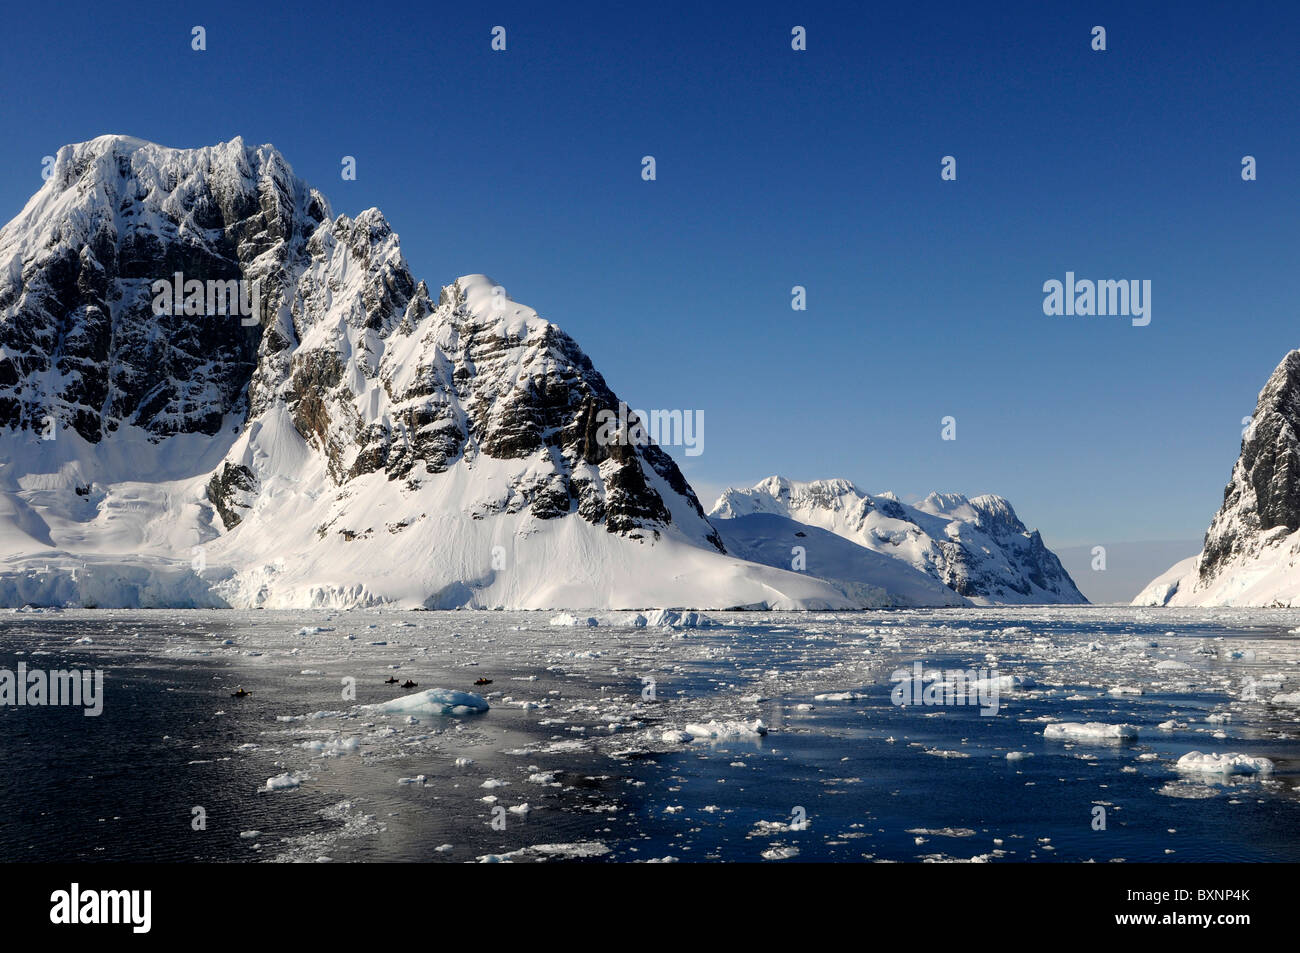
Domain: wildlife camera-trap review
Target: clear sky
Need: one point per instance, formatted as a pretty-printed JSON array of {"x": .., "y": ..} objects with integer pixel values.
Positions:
[{"x": 778, "y": 168}]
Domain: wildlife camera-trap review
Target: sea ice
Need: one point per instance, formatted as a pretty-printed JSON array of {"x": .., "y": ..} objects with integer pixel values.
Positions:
[
  {"x": 283, "y": 782},
  {"x": 1233, "y": 763},
  {"x": 434, "y": 701},
  {"x": 1090, "y": 731},
  {"x": 727, "y": 730}
]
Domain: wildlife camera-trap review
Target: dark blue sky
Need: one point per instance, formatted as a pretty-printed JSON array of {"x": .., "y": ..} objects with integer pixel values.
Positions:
[{"x": 779, "y": 168}]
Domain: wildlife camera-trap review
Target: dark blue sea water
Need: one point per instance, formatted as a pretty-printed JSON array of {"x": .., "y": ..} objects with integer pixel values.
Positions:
[{"x": 571, "y": 734}]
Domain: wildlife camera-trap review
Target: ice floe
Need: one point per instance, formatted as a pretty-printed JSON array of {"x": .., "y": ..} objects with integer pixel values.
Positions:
[
  {"x": 434, "y": 701},
  {"x": 1090, "y": 731},
  {"x": 1194, "y": 762}
]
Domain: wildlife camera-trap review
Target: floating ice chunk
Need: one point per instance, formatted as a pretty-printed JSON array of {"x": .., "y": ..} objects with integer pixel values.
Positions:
[
  {"x": 334, "y": 748},
  {"x": 946, "y": 753},
  {"x": 1126, "y": 690},
  {"x": 780, "y": 853},
  {"x": 1194, "y": 762},
  {"x": 1170, "y": 665},
  {"x": 580, "y": 849},
  {"x": 1171, "y": 725},
  {"x": 418, "y": 779},
  {"x": 1292, "y": 699},
  {"x": 1090, "y": 731},
  {"x": 283, "y": 782},
  {"x": 727, "y": 730},
  {"x": 679, "y": 620},
  {"x": 572, "y": 620},
  {"x": 1001, "y": 683},
  {"x": 313, "y": 629},
  {"x": 1019, "y": 755},
  {"x": 545, "y": 851},
  {"x": 507, "y": 858},
  {"x": 677, "y": 737},
  {"x": 839, "y": 697},
  {"x": 434, "y": 701}
]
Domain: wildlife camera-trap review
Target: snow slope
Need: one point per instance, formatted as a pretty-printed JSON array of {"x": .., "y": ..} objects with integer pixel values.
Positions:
[{"x": 871, "y": 578}]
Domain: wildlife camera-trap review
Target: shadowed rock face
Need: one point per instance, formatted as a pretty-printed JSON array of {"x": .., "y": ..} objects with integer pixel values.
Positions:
[
  {"x": 80, "y": 342},
  {"x": 966, "y": 570},
  {"x": 1264, "y": 492}
]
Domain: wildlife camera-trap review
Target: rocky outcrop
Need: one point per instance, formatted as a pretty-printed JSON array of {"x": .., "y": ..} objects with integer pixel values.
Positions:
[
  {"x": 1262, "y": 498},
  {"x": 1251, "y": 554}
]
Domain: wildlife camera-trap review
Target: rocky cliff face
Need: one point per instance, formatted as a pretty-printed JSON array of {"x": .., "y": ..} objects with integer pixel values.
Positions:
[
  {"x": 1250, "y": 553},
  {"x": 81, "y": 343},
  {"x": 1262, "y": 499},
  {"x": 352, "y": 406},
  {"x": 976, "y": 547}
]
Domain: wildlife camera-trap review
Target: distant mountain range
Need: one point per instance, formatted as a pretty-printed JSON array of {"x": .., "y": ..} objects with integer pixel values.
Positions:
[{"x": 945, "y": 550}]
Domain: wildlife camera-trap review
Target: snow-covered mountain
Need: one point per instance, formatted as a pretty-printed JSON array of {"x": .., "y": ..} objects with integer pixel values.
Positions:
[
  {"x": 1251, "y": 554},
  {"x": 349, "y": 438},
  {"x": 977, "y": 547}
]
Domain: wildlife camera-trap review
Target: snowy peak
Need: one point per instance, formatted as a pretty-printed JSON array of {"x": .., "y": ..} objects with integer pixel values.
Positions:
[
  {"x": 82, "y": 341},
  {"x": 1252, "y": 543},
  {"x": 976, "y": 547},
  {"x": 322, "y": 425},
  {"x": 778, "y": 495}
]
